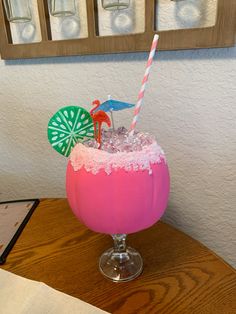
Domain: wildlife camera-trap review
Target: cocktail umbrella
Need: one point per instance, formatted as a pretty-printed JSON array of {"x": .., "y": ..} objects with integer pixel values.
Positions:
[{"x": 113, "y": 105}]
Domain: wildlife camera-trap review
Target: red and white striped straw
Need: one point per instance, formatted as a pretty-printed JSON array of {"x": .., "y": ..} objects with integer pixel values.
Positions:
[{"x": 144, "y": 82}]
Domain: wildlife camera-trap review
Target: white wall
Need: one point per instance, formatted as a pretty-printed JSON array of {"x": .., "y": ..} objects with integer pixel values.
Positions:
[{"x": 189, "y": 106}]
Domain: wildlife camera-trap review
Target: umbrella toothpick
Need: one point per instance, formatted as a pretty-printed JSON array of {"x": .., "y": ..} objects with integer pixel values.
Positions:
[
  {"x": 111, "y": 105},
  {"x": 112, "y": 120}
]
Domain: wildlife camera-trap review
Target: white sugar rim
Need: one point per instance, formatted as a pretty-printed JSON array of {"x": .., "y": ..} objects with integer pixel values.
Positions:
[{"x": 94, "y": 160}]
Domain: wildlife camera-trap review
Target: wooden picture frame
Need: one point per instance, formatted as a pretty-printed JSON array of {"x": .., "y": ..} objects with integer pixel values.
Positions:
[{"x": 222, "y": 34}]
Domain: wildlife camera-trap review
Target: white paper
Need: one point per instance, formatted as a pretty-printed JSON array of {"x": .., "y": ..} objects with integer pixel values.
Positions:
[{"x": 19, "y": 295}]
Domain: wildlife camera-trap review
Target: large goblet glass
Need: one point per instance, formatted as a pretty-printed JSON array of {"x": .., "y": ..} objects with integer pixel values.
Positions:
[{"x": 116, "y": 200}]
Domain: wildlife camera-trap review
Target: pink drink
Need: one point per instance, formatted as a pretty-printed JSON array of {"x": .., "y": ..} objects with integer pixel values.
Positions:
[{"x": 117, "y": 193}]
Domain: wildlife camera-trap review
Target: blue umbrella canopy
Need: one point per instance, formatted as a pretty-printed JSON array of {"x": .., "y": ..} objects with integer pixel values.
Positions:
[{"x": 114, "y": 105}]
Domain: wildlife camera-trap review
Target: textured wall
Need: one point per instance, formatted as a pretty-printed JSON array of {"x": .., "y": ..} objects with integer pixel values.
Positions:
[{"x": 189, "y": 106}]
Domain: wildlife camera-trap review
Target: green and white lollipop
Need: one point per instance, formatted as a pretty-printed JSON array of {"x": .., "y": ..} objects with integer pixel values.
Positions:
[{"x": 68, "y": 126}]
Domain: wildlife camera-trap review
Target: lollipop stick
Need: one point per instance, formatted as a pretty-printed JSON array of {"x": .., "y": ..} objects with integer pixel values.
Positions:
[{"x": 112, "y": 120}]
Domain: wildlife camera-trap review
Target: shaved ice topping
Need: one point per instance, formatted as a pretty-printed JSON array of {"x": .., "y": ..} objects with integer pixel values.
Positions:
[{"x": 118, "y": 151}]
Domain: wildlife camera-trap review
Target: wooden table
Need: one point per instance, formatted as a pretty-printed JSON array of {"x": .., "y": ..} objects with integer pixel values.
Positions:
[{"x": 180, "y": 275}]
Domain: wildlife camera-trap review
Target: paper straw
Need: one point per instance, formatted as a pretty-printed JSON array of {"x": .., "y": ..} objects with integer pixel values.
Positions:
[{"x": 144, "y": 82}]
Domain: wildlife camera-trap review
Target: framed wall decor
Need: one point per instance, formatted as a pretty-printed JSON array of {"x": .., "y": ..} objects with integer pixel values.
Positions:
[{"x": 92, "y": 28}]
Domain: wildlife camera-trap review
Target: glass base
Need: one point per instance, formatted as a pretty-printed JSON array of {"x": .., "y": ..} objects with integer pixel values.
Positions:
[
  {"x": 121, "y": 266},
  {"x": 113, "y": 7},
  {"x": 115, "y": 4},
  {"x": 62, "y": 13},
  {"x": 19, "y": 19}
]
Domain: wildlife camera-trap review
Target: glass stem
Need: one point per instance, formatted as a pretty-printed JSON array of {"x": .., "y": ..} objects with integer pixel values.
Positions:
[{"x": 119, "y": 243}]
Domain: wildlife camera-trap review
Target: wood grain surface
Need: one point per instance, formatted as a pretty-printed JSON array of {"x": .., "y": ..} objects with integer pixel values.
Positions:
[{"x": 180, "y": 275}]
